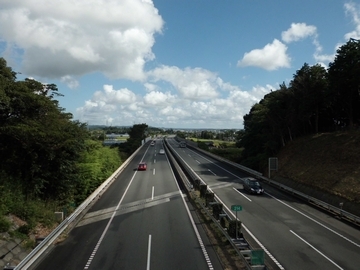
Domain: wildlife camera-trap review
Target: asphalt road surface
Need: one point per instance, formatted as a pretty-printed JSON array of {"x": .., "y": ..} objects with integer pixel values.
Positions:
[
  {"x": 293, "y": 234},
  {"x": 143, "y": 221}
]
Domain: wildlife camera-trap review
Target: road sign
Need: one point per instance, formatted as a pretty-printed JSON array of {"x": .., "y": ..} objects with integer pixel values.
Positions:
[{"x": 236, "y": 208}]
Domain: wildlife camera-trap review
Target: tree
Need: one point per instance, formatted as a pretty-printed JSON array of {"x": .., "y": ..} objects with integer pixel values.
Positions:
[
  {"x": 136, "y": 134},
  {"x": 309, "y": 87},
  {"x": 344, "y": 82},
  {"x": 39, "y": 142}
]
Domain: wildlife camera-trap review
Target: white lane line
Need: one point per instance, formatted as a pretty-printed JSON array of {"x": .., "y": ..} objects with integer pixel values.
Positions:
[
  {"x": 197, "y": 161},
  {"x": 317, "y": 222},
  {"x": 216, "y": 165},
  {"x": 242, "y": 194},
  {"x": 154, "y": 160},
  {"x": 318, "y": 251},
  {"x": 212, "y": 172},
  {"x": 154, "y": 171},
  {"x": 152, "y": 193},
  {"x": 108, "y": 225},
  {"x": 110, "y": 220},
  {"x": 201, "y": 243},
  {"x": 253, "y": 236},
  {"x": 149, "y": 253}
]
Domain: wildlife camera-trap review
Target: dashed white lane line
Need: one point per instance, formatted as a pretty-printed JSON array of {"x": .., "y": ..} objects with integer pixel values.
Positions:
[
  {"x": 149, "y": 254},
  {"x": 317, "y": 222},
  {"x": 316, "y": 250}
]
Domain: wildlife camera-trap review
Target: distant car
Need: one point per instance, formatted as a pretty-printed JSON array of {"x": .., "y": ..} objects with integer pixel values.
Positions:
[
  {"x": 161, "y": 152},
  {"x": 152, "y": 143},
  {"x": 252, "y": 186},
  {"x": 182, "y": 144},
  {"x": 142, "y": 166}
]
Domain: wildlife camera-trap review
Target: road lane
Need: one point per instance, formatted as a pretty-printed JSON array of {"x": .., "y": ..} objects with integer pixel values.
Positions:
[
  {"x": 140, "y": 222},
  {"x": 297, "y": 235}
]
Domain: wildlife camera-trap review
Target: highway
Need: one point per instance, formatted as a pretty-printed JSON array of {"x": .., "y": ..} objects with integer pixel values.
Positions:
[
  {"x": 143, "y": 221},
  {"x": 293, "y": 234}
]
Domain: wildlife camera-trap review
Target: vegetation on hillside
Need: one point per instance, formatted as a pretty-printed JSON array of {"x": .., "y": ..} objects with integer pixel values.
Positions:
[
  {"x": 48, "y": 161},
  {"x": 315, "y": 101}
]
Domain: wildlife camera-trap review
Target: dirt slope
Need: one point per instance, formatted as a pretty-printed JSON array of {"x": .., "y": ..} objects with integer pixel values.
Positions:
[{"x": 326, "y": 166}]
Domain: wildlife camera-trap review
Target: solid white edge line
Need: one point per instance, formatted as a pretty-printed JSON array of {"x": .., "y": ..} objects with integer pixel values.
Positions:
[
  {"x": 312, "y": 219},
  {"x": 242, "y": 195},
  {"x": 318, "y": 251},
  {"x": 109, "y": 222},
  {"x": 211, "y": 172},
  {"x": 149, "y": 253},
  {"x": 152, "y": 193},
  {"x": 201, "y": 243}
]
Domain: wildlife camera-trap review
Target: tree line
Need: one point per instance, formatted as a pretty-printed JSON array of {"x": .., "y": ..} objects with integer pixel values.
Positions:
[
  {"x": 48, "y": 161},
  {"x": 315, "y": 100}
]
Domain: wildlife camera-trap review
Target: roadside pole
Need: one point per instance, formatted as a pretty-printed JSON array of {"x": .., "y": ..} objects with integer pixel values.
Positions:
[{"x": 236, "y": 208}]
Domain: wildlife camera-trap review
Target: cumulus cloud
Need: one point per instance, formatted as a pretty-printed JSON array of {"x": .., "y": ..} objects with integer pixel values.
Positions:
[
  {"x": 111, "y": 96},
  {"x": 272, "y": 57},
  {"x": 156, "y": 98},
  {"x": 113, "y": 37},
  {"x": 191, "y": 97},
  {"x": 298, "y": 31},
  {"x": 354, "y": 11},
  {"x": 191, "y": 83}
]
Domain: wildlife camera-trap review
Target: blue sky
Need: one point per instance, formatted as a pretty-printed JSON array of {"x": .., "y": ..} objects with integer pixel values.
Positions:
[{"x": 170, "y": 63}]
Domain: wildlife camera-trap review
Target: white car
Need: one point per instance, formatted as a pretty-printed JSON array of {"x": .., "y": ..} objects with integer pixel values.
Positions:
[{"x": 162, "y": 152}]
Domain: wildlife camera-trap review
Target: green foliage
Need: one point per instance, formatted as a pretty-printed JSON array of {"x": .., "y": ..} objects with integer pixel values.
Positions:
[
  {"x": 4, "y": 224},
  {"x": 233, "y": 224},
  {"x": 232, "y": 154},
  {"x": 97, "y": 163},
  {"x": 181, "y": 134},
  {"x": 36, "y": 133},
  {"x": 203, "y": 145},
  {"x": 24, "y": 229},
  {"x": 344, "y": 82},
  {"x": 137, "y": 133},
  {"x": 316, "y": 100}
]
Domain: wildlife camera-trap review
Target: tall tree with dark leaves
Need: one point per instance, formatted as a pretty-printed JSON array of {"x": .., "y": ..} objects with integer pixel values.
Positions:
[
  {"x": 39, "y": 142},
  {"x": 309, "y": 87},
  {"x": 344, "y": 79}
]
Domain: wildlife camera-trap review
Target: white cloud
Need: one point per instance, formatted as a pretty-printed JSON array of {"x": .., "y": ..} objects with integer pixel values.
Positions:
[
  {"x": 67, "y": 37},
  {"x": 272, "y": 57},
  {"x": 156, "y": 98},
  {"x": 191, "y": 83},
  {"x": 111, "y": 96},
  {"x": 298, "y": 31},
  {"x": 354, "y": 11},
  {"x": 70, "y": 81},
  {"x": 165, "y": 109}
]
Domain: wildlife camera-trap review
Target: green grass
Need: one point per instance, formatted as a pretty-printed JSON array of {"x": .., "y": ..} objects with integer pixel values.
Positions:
[{"x": 217, "y": 143}]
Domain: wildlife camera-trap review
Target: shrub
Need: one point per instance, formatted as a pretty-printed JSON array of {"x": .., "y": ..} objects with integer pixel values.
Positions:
[{"x": 4, "y": 224}]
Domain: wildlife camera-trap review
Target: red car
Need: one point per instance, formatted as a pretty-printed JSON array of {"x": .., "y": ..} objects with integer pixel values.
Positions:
[{"x": 142, "y": 166}]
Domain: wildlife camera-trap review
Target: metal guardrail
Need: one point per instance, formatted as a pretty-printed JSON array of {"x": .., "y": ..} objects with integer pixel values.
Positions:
[
  {"x": 42, "y": 247},
  {"x": 188, "y": 172},
  {"x": 193, "y": 145},
  {"x": 323, "y": 205}
]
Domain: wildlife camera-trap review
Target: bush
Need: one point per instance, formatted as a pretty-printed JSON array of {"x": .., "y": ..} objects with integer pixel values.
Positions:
[
  {"x": 232, "y": 228},
  {"x": 4, "y": 224},
  {"x": 24, "y": 229}
]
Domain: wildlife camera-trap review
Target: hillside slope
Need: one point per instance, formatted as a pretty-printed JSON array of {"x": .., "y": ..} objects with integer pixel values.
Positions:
[{"x": 325, "y": 166}]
